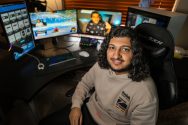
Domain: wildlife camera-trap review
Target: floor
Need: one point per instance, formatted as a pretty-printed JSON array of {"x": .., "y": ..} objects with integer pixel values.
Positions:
[{"x": 52, "y": 98}]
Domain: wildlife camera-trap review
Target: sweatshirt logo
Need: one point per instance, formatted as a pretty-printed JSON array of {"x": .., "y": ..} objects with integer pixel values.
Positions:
[
  {"x": 121, "y": 104},
  {"x": 125, "y": 95},
  {"x": 122, "y": 101}
]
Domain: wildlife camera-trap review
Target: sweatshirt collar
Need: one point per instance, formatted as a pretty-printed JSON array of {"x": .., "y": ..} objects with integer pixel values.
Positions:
[{"x": 111, "y": 73}]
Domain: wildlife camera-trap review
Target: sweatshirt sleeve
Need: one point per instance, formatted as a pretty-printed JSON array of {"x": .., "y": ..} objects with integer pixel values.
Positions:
[
  {"x": 145, "y": 114},
  {"x": 83, "y": 87}
]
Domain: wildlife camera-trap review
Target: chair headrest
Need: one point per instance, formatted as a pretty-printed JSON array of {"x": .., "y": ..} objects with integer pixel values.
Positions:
[{"x": 157, "y": 40}]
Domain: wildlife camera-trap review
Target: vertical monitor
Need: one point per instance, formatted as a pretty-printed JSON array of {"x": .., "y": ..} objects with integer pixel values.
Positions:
[
  {"x": 97, "y": 22},
  {"x": 136, "y": 16},
  {"x": 52, "y": 24},
  {"x": 16, "y": 24}
]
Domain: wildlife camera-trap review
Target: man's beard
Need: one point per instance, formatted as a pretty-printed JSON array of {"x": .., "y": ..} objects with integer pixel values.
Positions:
[{"x": 126, "y": 69}]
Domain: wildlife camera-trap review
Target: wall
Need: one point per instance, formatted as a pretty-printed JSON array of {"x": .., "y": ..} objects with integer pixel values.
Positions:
[
  {"x": 181, "y": 6},
  {"x": 54, "y": 5},
  {"x": 114, "y": 5},
  {"x": 51, "y": 4},
  {"x": 9, "y": 1}
]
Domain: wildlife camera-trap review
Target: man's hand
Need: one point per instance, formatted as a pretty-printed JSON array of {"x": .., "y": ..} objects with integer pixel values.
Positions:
[{"x": 75, "y": 116}]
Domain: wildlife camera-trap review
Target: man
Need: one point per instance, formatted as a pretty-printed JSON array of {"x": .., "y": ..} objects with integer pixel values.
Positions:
[
  {"x": 97, "y": 26},
  {"x": 39, "y": 23},
  {"x": 124, "y": 93}
]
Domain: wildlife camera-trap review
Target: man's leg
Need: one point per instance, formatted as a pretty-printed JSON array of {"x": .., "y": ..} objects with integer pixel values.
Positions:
[
  {"x": 58, "y": 118},
  {"x": 87, "y": 118},
  {"x": 62, "y": 117}
]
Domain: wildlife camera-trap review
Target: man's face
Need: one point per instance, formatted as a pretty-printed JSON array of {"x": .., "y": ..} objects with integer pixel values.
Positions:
[
  {"x": 95, "y": 18},
  {"x": 119, "y": 54}
]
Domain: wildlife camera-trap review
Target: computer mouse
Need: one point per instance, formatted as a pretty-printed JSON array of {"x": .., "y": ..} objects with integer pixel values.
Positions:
[{"x": 84, "y": 53}]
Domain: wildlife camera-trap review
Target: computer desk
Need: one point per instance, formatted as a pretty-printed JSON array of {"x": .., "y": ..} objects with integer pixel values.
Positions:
[{"x": 22, "y": 79}]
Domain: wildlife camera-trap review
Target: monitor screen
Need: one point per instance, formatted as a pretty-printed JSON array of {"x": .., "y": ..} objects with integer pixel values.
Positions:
[
  {"x": 97, "y": 22},
  {"x": 15, "y": 21},
  {"x": 138, "y": 16},
  {"x": 52, "y": 24}
]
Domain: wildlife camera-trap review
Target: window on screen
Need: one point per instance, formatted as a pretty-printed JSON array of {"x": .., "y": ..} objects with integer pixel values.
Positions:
[
  {"x": 136, "y": 19},
  {"x": 52, "y": 24},
  {"x": 97, "y": 22}
]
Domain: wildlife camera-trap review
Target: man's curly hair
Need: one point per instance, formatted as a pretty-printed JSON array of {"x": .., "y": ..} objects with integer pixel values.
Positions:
[{"x": 139, "y": 69}]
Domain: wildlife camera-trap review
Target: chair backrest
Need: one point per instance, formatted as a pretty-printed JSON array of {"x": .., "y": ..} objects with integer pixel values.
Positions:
[{"x": 158, "y": 46}]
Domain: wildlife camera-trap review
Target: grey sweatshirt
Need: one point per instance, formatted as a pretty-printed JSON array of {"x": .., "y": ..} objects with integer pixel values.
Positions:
[{"x": 117, "y": 99}]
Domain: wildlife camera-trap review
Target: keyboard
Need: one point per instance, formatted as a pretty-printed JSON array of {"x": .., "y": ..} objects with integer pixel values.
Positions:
[
  {"x": 88, "y": 42},
  {"x": 55, "y": 60}
]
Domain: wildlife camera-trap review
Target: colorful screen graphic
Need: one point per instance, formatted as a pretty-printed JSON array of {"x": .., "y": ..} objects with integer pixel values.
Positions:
[
  {"x": 15, "y": 20},
  {"x": 107, "y": 18},
  {"x": 136, "y": 17},
  {"x": 51, "y": 24}
]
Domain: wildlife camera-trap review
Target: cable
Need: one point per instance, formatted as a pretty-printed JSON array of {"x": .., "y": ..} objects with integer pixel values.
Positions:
[
  {"x": 52, "y": 10},
  {"x": 56, "y": 5},
  {"x": 33, "y": 57},
  {"x": 40, "y": 65},
  {"x": 69, "y": 45}
]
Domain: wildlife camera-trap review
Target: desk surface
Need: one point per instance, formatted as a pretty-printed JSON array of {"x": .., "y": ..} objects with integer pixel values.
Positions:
[{"x": 22, "y": 79}]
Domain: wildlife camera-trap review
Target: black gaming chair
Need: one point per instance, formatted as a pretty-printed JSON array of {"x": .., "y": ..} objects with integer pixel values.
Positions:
[{"x": 158, "y": 46}]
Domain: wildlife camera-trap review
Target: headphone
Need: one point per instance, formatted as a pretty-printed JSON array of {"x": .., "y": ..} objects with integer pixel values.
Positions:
[{"x": 40, "y": 66}]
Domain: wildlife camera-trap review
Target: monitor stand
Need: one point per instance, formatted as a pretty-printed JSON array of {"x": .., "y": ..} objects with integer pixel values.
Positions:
[
  {"x": 51, "y": 47},
  {"x": 55, "y": 41}
]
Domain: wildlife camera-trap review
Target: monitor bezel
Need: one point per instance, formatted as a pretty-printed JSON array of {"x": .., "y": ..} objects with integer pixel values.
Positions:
[
  {"x": 7, "y": 42},
  {"x": 79, "y": 30},
  {"x": 44, "y": 38},
  {"x": 146, "y": 14}
]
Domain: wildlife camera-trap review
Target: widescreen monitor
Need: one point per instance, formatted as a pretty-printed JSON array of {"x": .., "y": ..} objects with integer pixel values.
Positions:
[
  {"x": 108, "y": 18},
  {"x": 136, "y": 16},
  {"x": 16, "y": 25},
  {"x": 52, "y": 24}
]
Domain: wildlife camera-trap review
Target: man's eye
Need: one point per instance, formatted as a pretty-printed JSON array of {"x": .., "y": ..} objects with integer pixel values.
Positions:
[
  {"x": 125, "y": 49},
  {"x": 111, "y": 47}
]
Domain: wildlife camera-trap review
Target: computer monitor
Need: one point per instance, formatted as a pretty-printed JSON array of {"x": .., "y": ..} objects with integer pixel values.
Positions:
[
  {"x": 106, "y": 19},
  {"x": 172, "y": 21},
  {"x": 16, "y": 27},
  {"x": 136, "y": 16},
  {"x": 52, "y": 24}
]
